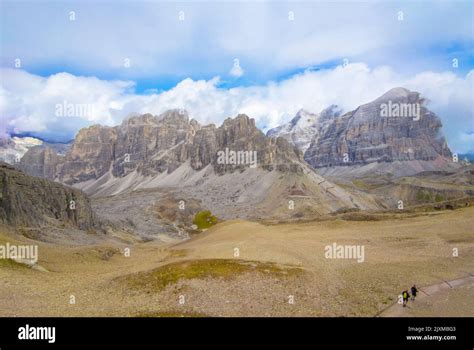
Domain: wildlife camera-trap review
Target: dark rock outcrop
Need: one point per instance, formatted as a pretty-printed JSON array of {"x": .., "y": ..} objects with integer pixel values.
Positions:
[{"x": 27, "y": 201}]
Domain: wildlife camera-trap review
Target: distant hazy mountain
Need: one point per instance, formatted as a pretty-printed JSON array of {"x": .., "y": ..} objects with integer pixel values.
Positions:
[{"x": 12, "y": 149}]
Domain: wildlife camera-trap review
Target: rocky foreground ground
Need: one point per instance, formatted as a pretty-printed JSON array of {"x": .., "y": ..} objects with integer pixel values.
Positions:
[{"x": 241, "y": 268}]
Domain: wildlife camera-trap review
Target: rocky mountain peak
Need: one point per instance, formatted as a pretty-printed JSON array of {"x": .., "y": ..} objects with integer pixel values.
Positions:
[
  {"x": 394, "y": 127},
  {"x": 241, "y": 122},
  {"x": 330, "y": 112},
  {"x": 238, "y": 128},
  {"x": 396, "y": 93},
  {"x": 303, "y": 119},
  {"x": 140, "y": 120},
  {"x": 174, "y": 116}
]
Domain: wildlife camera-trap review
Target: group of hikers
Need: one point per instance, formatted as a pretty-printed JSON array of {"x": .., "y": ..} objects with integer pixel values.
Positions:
[{"x": 406, "y": 295}]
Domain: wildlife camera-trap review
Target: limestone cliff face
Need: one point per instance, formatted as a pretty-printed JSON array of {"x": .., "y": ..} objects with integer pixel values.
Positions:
[
  {"x": 40, "y": 161},
  {"x": 146, "y": 143},
  {"x": 27, "y": 201},
  {"x": 240, "y": 137},
  {"x": 202, "y": 151},
  {"x": 155, "y": 144},
  {"x": 395, "y": 127},
  {"x": 90, "y": 156}
]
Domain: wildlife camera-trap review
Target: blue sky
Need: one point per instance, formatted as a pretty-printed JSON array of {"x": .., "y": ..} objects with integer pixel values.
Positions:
[{"x": 283, "y": 64}]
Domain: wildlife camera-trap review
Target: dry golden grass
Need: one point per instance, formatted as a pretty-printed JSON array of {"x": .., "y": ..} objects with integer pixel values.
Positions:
[{"x": 398, "y": 253}]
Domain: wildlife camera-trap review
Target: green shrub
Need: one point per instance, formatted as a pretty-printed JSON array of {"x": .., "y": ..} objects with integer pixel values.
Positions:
[
  {"x": 158, "y": 279},
  {"x": 204, "y": 219}
]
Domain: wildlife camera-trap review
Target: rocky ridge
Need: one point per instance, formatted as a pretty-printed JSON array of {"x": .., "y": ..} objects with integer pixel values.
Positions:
[
  {"x": 27, "y": 201},
  {"x": 366, "y": 135}
]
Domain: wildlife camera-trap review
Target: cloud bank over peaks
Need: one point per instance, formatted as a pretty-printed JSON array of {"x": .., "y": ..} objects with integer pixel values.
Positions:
[{"x": 32, "y": 104}]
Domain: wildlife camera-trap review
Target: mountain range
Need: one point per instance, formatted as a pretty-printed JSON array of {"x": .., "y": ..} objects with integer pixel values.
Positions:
[
  {"x": 152, "y": 145},
  {"x": 309, "y": 163}
]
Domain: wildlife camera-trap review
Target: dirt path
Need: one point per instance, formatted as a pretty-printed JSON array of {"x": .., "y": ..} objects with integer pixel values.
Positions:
[{"x": 434, "y": 297}]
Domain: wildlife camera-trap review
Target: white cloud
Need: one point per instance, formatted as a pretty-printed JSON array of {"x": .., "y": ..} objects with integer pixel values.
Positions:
[
  {"x": 158, "y": 43},
  {"x": 28, "y": 101}
]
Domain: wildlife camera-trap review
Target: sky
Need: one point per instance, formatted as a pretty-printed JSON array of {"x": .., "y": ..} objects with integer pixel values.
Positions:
[{"x": 217, "y": 59}]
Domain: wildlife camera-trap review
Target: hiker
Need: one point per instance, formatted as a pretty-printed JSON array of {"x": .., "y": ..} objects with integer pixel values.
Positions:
[
  {"x": 413, "y": 292},
  {"x": 405, "y": 296}
]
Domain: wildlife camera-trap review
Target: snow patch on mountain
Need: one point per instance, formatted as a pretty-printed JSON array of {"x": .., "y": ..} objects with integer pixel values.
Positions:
[
  {"x": 13, "y": 149},
  {"x": 304, "y": 126}
]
